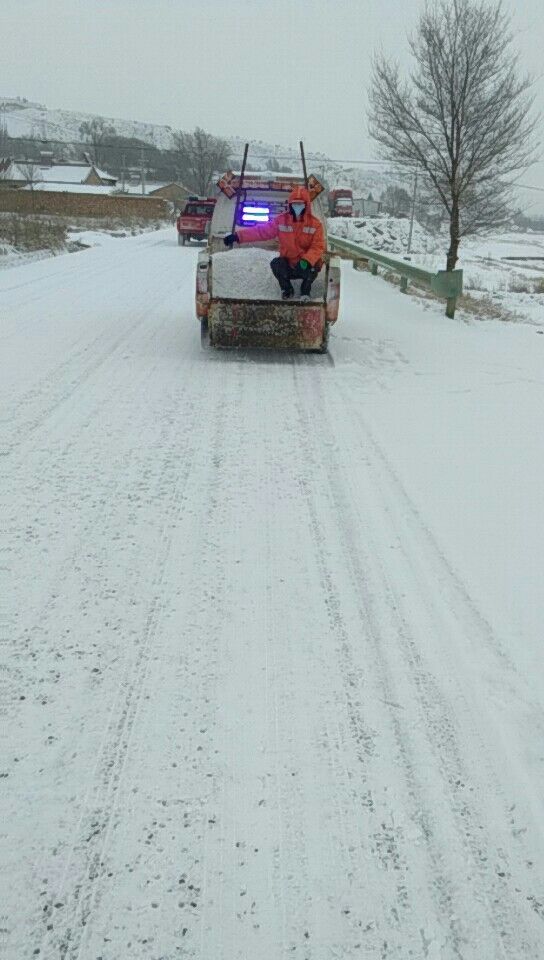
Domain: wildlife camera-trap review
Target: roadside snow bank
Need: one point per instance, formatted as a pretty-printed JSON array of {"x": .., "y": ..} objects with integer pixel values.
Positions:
[
  {"x": 11, "y": 256},
  {"x": 93, "y": 238},
  {"x": 245, "y": 274},
  {"x": 382, "y": 233},
  {"x": 26, "y": 239}
]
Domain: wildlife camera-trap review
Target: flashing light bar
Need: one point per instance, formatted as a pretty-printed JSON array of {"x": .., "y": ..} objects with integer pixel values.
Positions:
[
  {"x": 255, "y": 214},
  {"x": 251, "y": 209}
]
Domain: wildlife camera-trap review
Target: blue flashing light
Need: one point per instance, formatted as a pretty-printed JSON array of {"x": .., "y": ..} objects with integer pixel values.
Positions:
[
  {"x": 255, "y": 213},
  {"x": 254, "y": 209}
]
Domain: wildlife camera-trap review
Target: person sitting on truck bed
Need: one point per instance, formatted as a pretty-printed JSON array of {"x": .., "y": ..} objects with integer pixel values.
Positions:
[{"x": 301, "y": 242}]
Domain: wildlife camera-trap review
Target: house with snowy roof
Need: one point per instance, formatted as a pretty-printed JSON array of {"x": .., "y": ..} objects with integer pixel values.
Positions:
[
  {"x": 59, "y": 176},
  {"x": 173, "y": 191}
]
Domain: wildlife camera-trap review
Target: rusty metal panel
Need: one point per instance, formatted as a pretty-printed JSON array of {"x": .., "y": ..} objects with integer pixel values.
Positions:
[
  {"x": 270, "y": 323},
  {"x": 333, "y": 290},
  {"x": 202, "y": 301}
]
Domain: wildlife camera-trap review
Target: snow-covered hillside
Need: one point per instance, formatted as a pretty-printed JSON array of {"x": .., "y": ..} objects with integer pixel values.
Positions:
[
  {"x": 26, "y": 119},
  {"x": 383, "y": 233}
]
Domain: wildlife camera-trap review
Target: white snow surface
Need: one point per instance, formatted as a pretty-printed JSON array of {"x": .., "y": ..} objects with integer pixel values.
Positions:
[
  {"x": 514, "y": 286},
  {"x": 77, "y": 238},
  {"x": 273, "y": 626},
  {"x": 382, "y": 233},
  {"x": 79, "y": 188},
  {"x": 244, "y": 273}
]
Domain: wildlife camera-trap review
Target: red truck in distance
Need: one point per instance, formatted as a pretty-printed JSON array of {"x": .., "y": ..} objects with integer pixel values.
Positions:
[
  {"x": 194, "y": 220},
  {"x": 341, "y": 202}
]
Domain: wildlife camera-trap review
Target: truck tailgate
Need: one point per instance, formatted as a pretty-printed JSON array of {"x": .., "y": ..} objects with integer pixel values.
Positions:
[{"x": 267, "y": 323}]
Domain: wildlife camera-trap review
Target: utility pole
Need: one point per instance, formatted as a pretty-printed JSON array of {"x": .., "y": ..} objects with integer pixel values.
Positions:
[
  {"x": 3, "y": 130},
  {"x": 142, "y": 169},
  {"x": 412, "y": 214}
]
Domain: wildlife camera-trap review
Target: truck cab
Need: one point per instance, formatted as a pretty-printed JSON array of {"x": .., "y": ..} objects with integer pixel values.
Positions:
[
  {"x": 194, "y": 220},
  {"x": 341, "y": 202}
]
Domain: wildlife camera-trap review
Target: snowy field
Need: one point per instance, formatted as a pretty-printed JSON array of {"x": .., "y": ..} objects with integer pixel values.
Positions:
[
  {"x": 514, "y": 286},
  {"x": 274, "y": 626},
  {"x": 386, "y": 233}
]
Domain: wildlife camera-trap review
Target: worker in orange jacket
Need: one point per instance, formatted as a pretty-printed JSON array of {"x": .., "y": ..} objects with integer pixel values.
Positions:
[{"x": 301, "y": 242}]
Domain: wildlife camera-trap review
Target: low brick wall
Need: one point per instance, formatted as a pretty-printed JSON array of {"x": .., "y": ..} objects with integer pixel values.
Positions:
[{"x": 83, "y": 205}]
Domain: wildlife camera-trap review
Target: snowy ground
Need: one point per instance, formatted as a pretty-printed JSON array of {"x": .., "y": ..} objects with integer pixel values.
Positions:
[
  {"x": 78, "y": 238},
  {"x": 390, "y": 234},
  {"x": 275, "y": 681},
  {"x": 514, "y": 286}
]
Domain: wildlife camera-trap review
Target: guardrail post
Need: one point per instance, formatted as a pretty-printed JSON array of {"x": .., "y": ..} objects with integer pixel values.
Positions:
[
  {"x": 450, "y": 307},
  {"x": 403, "y": 284},
  {"x": 373, "y": 267}
]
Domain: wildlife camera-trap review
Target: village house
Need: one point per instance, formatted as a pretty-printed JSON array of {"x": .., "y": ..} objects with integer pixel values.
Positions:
[
  {"x": 176, "y": 193},
  {"x": 48, "y": 174}
]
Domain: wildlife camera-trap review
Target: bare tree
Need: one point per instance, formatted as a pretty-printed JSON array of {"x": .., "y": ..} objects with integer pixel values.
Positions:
[
  {"x": 464, "y": 116},
  {"x": 32, "y": 175},
  {"x": 199, "y": 156},
  {"x": 98, "y": 133},
  {"x": 396, "y": 200}
]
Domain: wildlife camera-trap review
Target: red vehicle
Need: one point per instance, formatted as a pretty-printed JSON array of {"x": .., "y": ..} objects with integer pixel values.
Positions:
[
  {"x": 194, "y": 220},
  {"x": 341, "y": 203}
]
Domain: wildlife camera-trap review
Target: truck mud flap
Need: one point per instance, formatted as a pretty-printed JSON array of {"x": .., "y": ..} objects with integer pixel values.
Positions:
[{"x": 280, "y": 326}]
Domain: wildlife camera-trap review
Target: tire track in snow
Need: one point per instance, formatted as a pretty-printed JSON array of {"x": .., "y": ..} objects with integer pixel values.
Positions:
[
  {"x": 87, "y": 269},
  {"x": 458, "y": 615},
  {"x": 62, "y": 475},
  {"x": 94, "y": 829},
  {"x": 265, "y": 894},
  {"x": 109, "y": 932},
  {"x": 363, "y": 735},
  {"x": 61, "y": 384},
  {"x": 439, "y": 730}
]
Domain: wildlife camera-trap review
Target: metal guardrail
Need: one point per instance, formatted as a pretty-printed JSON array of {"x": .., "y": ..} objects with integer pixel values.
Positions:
[{"x": 446, "y": 284}]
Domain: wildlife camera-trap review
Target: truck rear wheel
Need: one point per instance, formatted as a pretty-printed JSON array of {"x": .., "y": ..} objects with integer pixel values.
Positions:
[
  {"x": 204, "y": 334},
  {"x": 324, "y": 348},
  {"x": 180, "y": 239}
]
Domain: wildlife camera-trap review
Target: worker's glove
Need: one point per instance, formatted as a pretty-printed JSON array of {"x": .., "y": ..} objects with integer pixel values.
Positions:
[
  {"x": 303, "y": 264},
  {"x": 231, "y": 239}
]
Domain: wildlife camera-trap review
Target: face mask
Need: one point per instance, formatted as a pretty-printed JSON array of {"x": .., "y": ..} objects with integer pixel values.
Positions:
[{"x": 298, "y": 208}]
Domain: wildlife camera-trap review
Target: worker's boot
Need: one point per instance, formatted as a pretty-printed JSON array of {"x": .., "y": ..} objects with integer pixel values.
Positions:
[{"x": 286, "y": 291}]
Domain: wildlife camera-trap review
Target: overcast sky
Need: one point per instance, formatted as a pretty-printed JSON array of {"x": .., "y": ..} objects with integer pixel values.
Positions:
[{"x": 276, "y": 70}]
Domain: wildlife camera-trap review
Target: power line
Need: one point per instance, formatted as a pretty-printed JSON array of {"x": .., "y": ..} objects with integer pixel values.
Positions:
[
  {"x": 142, "y": 149},
  {"x": 316, "y": 159}
]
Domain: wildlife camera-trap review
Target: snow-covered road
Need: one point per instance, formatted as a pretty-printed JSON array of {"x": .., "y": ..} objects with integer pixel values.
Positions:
[{"x": 273, "y": 627}]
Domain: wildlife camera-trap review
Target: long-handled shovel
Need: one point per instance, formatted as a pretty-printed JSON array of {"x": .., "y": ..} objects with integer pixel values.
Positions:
[{"x": 240, "y": 187}]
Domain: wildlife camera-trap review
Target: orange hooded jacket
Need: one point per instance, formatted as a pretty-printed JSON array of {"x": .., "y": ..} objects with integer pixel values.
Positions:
[{"x": 298, "y": 239}]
